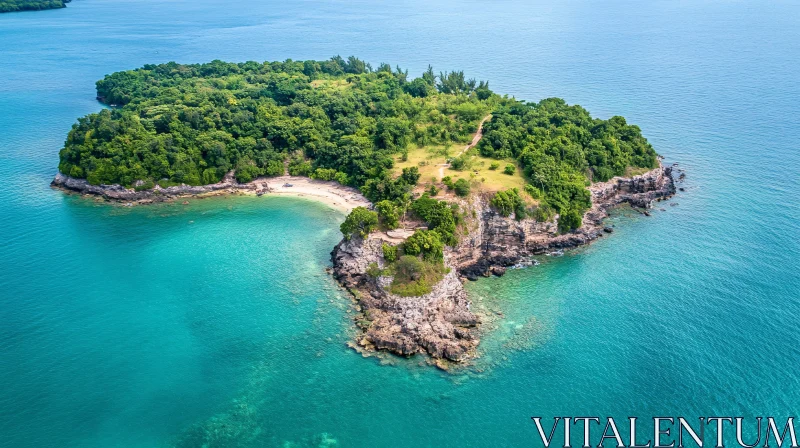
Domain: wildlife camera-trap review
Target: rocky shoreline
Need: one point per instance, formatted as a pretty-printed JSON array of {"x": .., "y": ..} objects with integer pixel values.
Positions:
[
  {"x": 118, "y": 193},
  {"x": 328, "y": 192},
  {"x": 441, "y": 324},
  {"x": 498, "y": 242}
]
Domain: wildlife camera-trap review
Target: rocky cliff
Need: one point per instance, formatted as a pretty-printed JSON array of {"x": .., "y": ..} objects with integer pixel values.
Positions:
[
  {"x": 441, "y": 323},
  {"x": 497, "y": 241}
]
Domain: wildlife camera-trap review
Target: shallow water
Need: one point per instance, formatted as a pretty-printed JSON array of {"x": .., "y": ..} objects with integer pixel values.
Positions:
[{"x": 161, "y": 325}]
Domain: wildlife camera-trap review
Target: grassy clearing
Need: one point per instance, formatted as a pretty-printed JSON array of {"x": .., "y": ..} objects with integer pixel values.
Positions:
[
  {"x": 333, "y": 84},
  {"x": 431, "y": 161},
  {"x": 634, "y": 171},
  {"x": 414, "y": 277}
]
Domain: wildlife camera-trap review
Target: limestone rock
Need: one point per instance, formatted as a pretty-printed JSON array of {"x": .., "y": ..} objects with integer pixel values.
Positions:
[{"x": 441, "y": 323}]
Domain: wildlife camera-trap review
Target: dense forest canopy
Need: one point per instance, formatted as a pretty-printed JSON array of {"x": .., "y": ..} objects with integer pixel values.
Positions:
[
  {"x": 339, "y": 119},
  {"x": 562, "y": 148},
  {"x": 30, "y": 5}
]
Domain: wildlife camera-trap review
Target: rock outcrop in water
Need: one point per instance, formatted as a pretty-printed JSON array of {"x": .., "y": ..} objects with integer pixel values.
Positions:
[{"x": 441, "y": 323}]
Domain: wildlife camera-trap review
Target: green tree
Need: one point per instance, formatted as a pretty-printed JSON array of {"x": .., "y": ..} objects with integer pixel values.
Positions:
[
  {"x": 388, "y": 214},
  {"x": 508, "y": 202},
  {"x": 360, "y": 221},
  {"x": 410, "y": 175},
  {"x": 389, "y": 252},
  {"x": 461, "y": 187},
  {"x": 569, "y": 220},
  {"x": 426, "y": 243}
]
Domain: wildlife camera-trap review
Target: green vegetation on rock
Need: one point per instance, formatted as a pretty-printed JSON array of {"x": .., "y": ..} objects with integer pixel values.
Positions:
[
  {"x": 440, "y": 216},
  {"x": 461, "y": 187},
  {"x": 31, "y": 5},
  {"x": 389, "y": 252},
  {"x": 360, "y": 221},
  {"x": 415, "y": 277},
  {"x": 508, "y": 202},
  {"x": 569, "y": 220},
  {"x": 416, "y": 265}
]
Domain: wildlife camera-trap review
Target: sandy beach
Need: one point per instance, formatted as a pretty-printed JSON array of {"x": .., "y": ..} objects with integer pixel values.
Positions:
[{"x": 328, "y": 192}]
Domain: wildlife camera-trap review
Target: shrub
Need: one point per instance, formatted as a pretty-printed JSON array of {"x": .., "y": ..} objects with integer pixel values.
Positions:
[
  {"x": 414, "y": 277},
  {"x": 342, "y": 178},
  {"x": 389, "y": 253},
  {"x": 410, "y": 175},
  {"x": 569, "y": 221},
  {"x": 145, "y": 185},
  {"x": 432, "y": 190},
  {"x": 273, "y": 168},
  {"x": 439, "y": 215},
  {"x": 494, "y": 165},
  {"x": 534, "y": 192},
  {"x": 374, "y": 271},
  {"x": 543, "y": 213},
  {"x": 247, "y": 171},
  {"x": 360, "y": 221},
  {"x": 448, "y": 182},
  {"x": 461, "y": 163},
  {"x": 299, "y": 167},
  {"x": 508, "y": 202},
  {"x": 324, "y": 174},
  {"x": 461, "y": 187},
  {"x": 426, "y": 243},
  {"x": 509, "y": 169}
]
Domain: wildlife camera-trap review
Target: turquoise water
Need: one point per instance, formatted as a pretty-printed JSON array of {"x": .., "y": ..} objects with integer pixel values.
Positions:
[{"x": 164, "y": 325}]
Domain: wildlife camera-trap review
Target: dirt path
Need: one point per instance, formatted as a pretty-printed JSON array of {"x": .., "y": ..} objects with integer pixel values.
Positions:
[{"x": 477, "y": 138}]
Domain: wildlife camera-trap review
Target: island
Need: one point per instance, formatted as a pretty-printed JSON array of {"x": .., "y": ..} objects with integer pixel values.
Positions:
[
  {"x": 445, "y": 180},
  {"x": 31, "y": 5}
]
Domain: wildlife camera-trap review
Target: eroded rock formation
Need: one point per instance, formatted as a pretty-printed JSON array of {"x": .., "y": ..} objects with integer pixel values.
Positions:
[{"x": 441, "y": 323}]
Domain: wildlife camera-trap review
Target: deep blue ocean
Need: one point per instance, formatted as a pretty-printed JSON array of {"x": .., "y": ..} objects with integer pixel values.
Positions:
[{"x": 216, "y": 323}]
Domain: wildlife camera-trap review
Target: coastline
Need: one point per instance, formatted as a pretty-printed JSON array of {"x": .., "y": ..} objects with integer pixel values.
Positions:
[
  {"x": 329, "y": 193},
  {"x": 440, "y": 324}
]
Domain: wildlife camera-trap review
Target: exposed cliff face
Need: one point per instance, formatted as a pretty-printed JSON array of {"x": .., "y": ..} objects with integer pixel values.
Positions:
[
  {"x": 441, "y": 323},
  {"x": 504, "y": 241}
]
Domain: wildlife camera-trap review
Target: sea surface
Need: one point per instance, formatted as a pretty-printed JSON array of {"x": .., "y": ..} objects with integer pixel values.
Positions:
[{"x": 215, "y": 322}]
